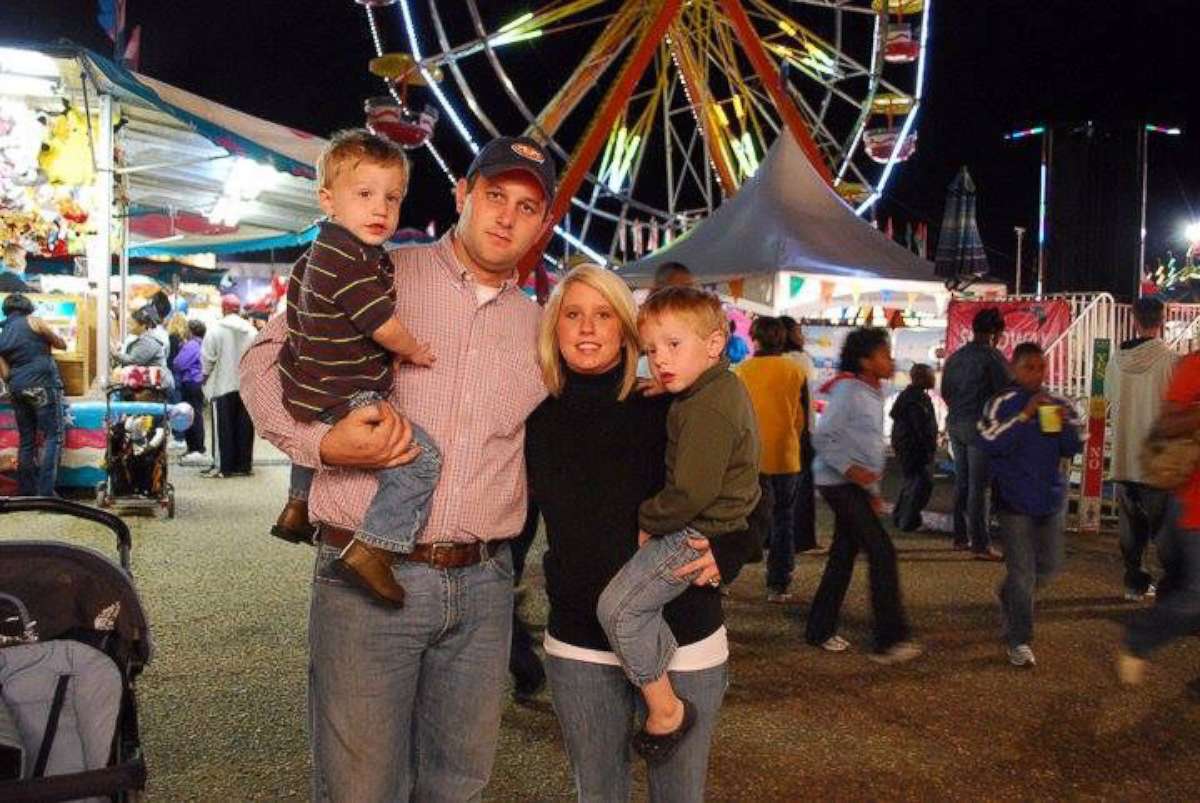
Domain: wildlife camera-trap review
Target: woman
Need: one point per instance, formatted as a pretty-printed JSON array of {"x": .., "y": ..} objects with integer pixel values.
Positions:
[
  {"x": 189, "y": 375},
  {"x": 775, "y": 384},
  {"x": 145, "y": 348},
  {"x": 847, "y": 471},
  {"x": 595, "y": 451},
  {"x": 37, "y": 394},
  {"x": 805, "y": 532}
]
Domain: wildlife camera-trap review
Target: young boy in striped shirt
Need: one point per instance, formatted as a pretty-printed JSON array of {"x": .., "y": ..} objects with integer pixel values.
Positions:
[{"x": 342, "y": 338}]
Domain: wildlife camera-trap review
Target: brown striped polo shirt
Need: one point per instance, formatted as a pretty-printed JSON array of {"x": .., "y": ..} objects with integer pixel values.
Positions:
[{"x": 340, "y": 291}]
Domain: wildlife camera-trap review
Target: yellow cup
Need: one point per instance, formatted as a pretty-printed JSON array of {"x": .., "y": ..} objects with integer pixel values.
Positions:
[{"x": 1050, "y": 418}]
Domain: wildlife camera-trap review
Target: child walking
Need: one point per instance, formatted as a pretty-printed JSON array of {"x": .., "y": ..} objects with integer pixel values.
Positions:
[
  {"x": 1028, "y": 436},
  {"x": 711, "y": 487},
  {"x": 850, "y": 461},
  {"x": 342, "y": 336}
]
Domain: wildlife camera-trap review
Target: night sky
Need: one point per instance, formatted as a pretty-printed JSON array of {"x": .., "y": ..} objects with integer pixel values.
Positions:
[{"x": 995, "y": 66}]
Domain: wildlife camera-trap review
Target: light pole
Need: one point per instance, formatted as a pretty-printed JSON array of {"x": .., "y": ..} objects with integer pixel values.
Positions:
[
  {"x": 1020, "y": 230},
  {"x": 1047, "y": 135},
  {"x": 1143, "y": 146}
]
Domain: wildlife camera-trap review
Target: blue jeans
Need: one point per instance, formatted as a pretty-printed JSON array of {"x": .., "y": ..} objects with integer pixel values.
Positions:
[
  {"x": 630, "y": 607},
  {"x": 1176, "y": 611},
  {"x": 400, "y": 508},
  {"x": 781, "y": 560},
  {"x": 1141, "y": 511},
  {"x": 597, "y": 711},
  {"x": 913, "y": 497},
  {"x": 972, "y": 476},
  {"x": 1033, "y": 554},
  {"x": 405, "y": 703},
  {"x": 38, "y": 411}
]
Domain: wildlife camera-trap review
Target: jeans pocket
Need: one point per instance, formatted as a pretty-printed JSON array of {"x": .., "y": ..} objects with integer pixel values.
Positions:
[
  {"x": 325, "y": 570},
  {"x": 36, "y": 398},
  {"x": 502, "y": 563}
]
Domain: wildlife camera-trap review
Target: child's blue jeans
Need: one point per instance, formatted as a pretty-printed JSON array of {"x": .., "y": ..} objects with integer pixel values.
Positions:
[
  {"x": 630, "y": 608},
  {"x": 400, "y": 508}
]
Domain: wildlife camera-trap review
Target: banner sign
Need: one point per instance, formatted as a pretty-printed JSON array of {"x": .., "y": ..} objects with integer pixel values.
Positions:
[
  {"x": 1093, "y": 449},
  {"x": 1039, "y": 321}
]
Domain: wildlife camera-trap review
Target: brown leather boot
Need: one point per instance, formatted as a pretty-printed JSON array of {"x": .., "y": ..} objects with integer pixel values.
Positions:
[
  {"x": 371, "y": 567},
  {"x": 293, "y": 525}
]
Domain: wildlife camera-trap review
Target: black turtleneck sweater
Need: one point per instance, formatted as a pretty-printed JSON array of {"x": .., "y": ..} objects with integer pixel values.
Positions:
[{"x": 592, "y": 460}]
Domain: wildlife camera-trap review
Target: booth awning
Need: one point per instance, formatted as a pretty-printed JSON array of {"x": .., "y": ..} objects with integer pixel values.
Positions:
[{"x": 178, "y": 154}]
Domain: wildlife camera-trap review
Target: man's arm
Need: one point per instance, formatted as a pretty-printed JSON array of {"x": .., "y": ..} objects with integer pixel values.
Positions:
[
  {"x": 40, "y": 327},
  {"x": 371, "y": 437}
]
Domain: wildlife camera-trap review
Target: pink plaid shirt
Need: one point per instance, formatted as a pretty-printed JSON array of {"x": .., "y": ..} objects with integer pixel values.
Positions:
[{"x": 473, "y": 402}]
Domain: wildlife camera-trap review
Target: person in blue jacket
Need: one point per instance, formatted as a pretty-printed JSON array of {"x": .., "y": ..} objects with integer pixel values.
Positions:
[{"x": 1028, "y": 435}]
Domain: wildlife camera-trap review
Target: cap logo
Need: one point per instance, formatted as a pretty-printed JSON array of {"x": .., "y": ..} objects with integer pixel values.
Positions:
[{"x": 528, "y": 152}]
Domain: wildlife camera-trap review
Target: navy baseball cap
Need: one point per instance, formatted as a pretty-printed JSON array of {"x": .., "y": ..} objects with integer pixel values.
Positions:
[{"x": 516, "y": 153}]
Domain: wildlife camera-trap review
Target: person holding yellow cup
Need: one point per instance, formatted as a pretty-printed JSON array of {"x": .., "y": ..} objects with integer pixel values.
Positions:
[{"x": 1026, "y": 432}]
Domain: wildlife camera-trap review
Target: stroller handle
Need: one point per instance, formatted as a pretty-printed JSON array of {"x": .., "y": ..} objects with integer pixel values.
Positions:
[{"x": 49, "y": 504}]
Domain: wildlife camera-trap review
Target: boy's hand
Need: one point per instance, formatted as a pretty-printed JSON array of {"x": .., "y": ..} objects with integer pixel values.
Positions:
[
  {"x": 422, "y": 355},
  {"x": 650, "y": 387},
  {"x": 861, "y": 476},
  {"x": 1035, "y": 401},
  {"x": 877, "y": 505},
  {"x": 643, "y": 537}
]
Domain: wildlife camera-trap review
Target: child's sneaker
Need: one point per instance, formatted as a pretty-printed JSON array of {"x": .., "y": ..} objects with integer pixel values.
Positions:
[
  {"x": 371, "y": 567},
  {"x": 293, "y": 525},
  {"x": 898, "y": 653},
  {"x": 1022, "y": 656},
  {"x": 835, "y": 643}
]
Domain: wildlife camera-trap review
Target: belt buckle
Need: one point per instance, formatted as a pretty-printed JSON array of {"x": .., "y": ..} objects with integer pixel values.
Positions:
[{"x": 438, "y": 549}]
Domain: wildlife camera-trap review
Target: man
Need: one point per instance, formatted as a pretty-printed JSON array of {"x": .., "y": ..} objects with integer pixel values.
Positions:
[
  {"x": 973, "y": 374},
  {"x": 1134, "y": 385},
  {"x": 914, "y": 440},
  {"x": 405, "y": 703},
  {"x": 673, "y": 274},
  {"x": 224, "y": 344},
  {"x": 1176, "y": 611}
]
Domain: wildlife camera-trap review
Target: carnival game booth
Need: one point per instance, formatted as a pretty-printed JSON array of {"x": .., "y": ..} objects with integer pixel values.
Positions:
[{"x": 98, "y": 162}]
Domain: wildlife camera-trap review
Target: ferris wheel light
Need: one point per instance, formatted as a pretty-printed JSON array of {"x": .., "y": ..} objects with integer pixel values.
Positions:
[
  {"x": 515, "y": 36},
  {"x": 787, "y": 27},
  {"x": 518, "y": 22}
]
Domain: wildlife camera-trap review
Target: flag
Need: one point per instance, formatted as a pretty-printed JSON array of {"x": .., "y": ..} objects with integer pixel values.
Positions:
[
  {"x": 908, "y": 236},
  {"x": 889, "y": 230},
  {"x": 112, "y": 17},
  {"x": 133, "y": 48}
]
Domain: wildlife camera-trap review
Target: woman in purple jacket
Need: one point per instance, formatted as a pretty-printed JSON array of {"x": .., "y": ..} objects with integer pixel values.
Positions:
[{"x": 189, "y": 377}]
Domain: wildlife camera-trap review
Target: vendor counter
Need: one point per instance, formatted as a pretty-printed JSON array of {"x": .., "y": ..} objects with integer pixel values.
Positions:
[{"x": 81, "y": 464}]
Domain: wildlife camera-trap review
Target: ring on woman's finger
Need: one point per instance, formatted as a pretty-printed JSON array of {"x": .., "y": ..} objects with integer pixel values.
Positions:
[{"x": 715, "y": 581}]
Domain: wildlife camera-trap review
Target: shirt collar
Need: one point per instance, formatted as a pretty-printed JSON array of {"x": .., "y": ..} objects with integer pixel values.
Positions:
[
  {"x": 446, "y": 257},
  {"x": 709, "y": 375}
]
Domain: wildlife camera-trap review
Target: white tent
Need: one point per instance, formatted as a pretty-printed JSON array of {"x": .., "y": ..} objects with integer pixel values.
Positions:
[{"x": 797, "y": 247}]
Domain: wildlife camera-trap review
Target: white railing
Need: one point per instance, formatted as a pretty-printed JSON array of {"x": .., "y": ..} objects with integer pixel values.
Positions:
[{"x": 1069, "y": 356}]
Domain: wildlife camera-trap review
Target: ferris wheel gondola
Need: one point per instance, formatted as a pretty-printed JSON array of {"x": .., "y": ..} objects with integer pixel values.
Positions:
[{"x": 721, "y": 81}]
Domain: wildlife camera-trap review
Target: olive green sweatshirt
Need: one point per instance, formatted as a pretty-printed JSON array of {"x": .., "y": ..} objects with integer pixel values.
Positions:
[{"x": 712, "y": 459}]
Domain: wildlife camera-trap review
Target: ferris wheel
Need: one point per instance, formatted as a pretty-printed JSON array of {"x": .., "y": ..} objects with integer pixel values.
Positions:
[{"x": 659, "y": 109}]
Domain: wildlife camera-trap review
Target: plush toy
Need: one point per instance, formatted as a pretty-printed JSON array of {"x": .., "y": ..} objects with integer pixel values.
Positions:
[{"x": 66, "y": 156}]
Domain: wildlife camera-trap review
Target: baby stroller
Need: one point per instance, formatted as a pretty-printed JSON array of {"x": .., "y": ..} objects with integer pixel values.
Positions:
[
  {"x": 73, "y": 640},
  {"x": 135, "y": 450}
]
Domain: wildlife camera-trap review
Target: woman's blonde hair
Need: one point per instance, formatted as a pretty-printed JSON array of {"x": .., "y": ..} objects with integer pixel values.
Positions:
[
  {"x": 177, "y": 325},
  {"x": 609, "y": 285}
]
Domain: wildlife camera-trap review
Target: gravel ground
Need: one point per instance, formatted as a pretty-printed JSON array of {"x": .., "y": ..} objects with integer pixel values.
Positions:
[{"x": 223, "y": 718}]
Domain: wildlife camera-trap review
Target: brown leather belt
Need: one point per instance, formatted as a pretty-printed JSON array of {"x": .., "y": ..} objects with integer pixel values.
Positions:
[{"x": 439, "y": 554}]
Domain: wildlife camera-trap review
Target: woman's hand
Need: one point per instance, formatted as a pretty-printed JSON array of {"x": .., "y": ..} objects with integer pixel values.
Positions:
[
  {"x": 370, "y": 437},
  {"x": 648, "y": 386},
  {"x": 704, "y": 567},
  {"x": 643, "y": 537}
]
